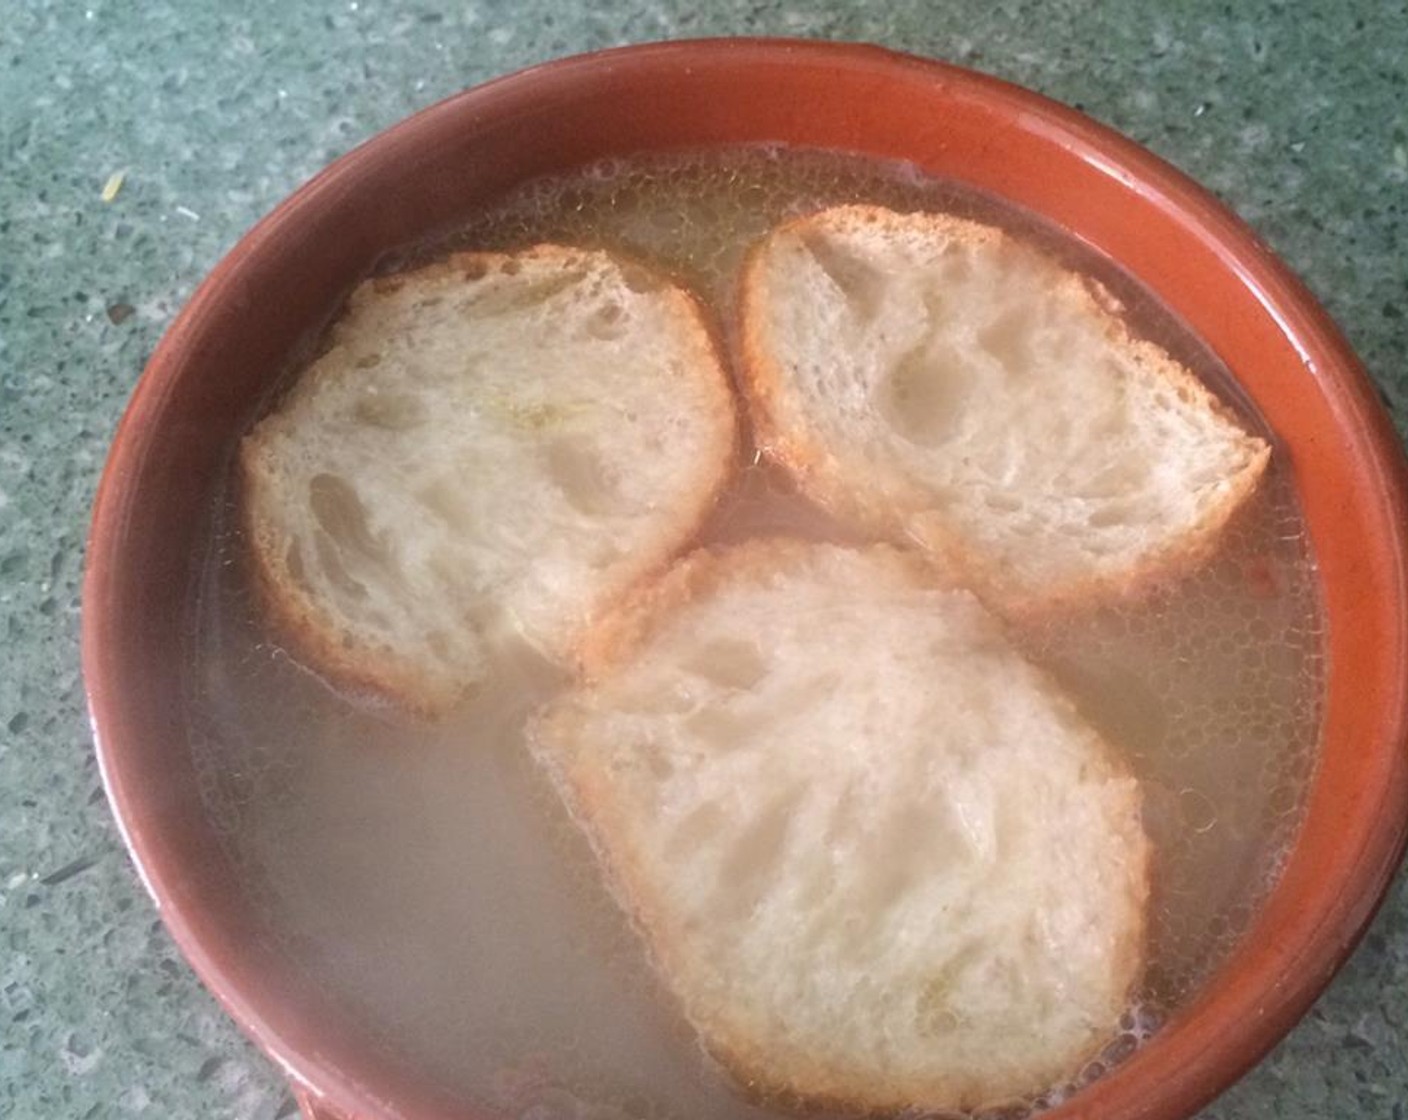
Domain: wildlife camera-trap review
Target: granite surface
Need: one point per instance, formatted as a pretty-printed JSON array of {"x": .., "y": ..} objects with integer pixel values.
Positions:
[{"x": 1294, "y": 113}]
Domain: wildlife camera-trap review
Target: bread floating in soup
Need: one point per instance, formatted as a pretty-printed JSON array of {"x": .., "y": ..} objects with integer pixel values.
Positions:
[
  {"x": 935, "y": 381},
  {"x": 465, "y": 458},
  {"x": 878, "y": 857}
]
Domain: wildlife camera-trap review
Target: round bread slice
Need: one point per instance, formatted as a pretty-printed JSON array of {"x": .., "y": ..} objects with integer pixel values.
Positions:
[
  {"x": 942, "y": 384},
  {"x": 878, "y": 856},
  {"x": 490, "y": 445}
]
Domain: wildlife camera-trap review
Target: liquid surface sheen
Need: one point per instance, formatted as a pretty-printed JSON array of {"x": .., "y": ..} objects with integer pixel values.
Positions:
[{"x": 428, "y": 878}]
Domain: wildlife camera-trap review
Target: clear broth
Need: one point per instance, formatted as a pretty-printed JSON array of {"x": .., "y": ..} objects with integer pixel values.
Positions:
[{"x": 428, "y": 876}]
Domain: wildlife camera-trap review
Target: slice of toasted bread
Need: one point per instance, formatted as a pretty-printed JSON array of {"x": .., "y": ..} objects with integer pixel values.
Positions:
[
  {"x": 940, "y": 383},
  {"x": 491, "y": 444},
  {"x": 877, "y": 856}
]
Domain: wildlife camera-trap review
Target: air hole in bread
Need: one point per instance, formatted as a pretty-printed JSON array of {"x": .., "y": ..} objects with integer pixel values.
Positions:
[
  {"x": 368, "y": 361},
  {"x": 895, "y": 871},
  {"x": 444, "y": 499},
  {"x": 528, "y": 295},
  {"x": 934, "y": 1014},
  {"x": 578, "y": 471},
  {"x": 956, "y": 265},
  {"x": 935, "y": 307},
  {"x": 1000, "y": 501},
  {"x": 1120, "y": 477},
  {"x": 640, "y": 280},
  {"x": 391, "y": 411},
  {"x": 660, "y": 765},
  {"x": 1113, "y": 514},
  {"x": 1008, "y": 339},
  {"x": 718, "y": 727},
  {"x": 923, "y": 397},
  {"x": 608, "y": 322},
  {"x": 859, "y": 281},
  {"x": 341, "y": 515},
  {"x": 729, "y": 662},
  {"x": 475, "y": 268},
  {"x": 333, "y": 570},
  {"x": 293, "y": 564},
  {"x": 749, "y": 865}
]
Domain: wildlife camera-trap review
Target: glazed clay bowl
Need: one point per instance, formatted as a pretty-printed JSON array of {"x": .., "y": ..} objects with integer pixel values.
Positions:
[{"x": 287, "y": 276}]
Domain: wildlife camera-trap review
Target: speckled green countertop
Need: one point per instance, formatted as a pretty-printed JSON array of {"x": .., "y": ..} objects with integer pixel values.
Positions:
[{"x": 1297, "y": 115}]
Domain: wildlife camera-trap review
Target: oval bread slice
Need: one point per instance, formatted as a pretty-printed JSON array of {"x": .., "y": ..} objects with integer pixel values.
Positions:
[
  {"x": 878, "y": 857},
  {"x": 492, "y": 444},
  {"x": 940, "y": 383}
]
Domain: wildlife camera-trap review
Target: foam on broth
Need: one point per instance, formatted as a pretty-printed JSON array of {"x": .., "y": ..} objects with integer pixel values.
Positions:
[{"x": 427, "y": 875}]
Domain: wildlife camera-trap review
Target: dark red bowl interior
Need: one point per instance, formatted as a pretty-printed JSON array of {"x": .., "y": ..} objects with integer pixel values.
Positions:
[{"x": 288, "y": 275}]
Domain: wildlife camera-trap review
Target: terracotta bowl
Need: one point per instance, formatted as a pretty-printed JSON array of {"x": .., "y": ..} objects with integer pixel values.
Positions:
[{"x": 286, "y": 277}]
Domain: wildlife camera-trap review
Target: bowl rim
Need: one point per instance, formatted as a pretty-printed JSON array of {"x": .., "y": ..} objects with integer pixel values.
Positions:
[{"x": 1285, "y": 299}]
